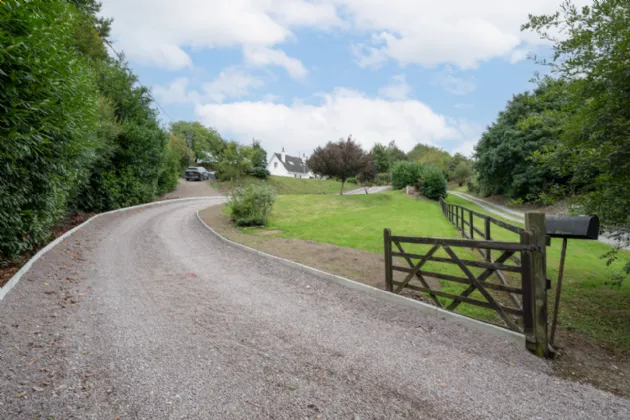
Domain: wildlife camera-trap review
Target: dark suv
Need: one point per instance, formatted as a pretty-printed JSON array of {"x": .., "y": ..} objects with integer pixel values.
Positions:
[{"x": 197, "y": 173}]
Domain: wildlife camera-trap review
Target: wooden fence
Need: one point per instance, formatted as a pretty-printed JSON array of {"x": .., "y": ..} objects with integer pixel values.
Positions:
[{"x": 529, "y": 266}]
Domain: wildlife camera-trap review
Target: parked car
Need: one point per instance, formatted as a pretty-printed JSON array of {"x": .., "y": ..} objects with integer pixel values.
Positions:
[{"x": 198, "y": 173}]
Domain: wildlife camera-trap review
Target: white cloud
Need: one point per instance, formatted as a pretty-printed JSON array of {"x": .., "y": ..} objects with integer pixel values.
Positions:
[
  {"x": 262, "y": 56},
  {"x": 175, "y": 93},
  {"x": 397, "y": 89},
  {"x": 458, "y": 32},
  {"x": 301, "y": 127},
  {"x": 451, "y": 83},
  {"x": 232, "y": 82}
]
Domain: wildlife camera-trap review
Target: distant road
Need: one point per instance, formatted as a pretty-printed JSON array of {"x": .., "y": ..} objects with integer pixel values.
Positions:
[{"x": 371, "y": 190}]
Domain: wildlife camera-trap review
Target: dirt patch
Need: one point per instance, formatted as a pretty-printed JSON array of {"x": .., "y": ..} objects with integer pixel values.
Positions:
[
  {"x": 7, "y": 271},
  {"x": 578, "y": 358}
]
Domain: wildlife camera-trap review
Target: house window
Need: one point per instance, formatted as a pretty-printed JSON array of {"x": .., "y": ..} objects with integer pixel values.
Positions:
[{"x": 275, "y": 164}]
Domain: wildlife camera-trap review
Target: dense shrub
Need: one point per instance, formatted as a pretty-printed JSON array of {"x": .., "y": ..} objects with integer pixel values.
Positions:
[
  {"x": 434, "y": 184},
  {"x": 383, "y": 178},
  {"x": 251, "y": 205},
  {"x": 48, "y": 105},
  {"x": 405, "y": 173},
  {"x": 352, "y": 180},
  {"x": 259, "y": 172}
]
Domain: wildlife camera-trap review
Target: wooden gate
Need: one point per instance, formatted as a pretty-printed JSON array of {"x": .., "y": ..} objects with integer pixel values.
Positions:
[{"x": 529, "y": 273}]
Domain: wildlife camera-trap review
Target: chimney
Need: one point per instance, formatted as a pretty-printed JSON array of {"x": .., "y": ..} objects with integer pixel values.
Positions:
[{"x": 282, "y": 155}]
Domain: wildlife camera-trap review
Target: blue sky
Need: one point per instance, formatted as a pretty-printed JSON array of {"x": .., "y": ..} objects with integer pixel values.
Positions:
[{"x": 299, "y": 73}]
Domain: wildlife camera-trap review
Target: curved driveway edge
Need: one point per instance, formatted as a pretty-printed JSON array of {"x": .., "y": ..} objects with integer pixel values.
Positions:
[
  {"x": 4, "y": 290},
  {"x": 431, "y": 310}
]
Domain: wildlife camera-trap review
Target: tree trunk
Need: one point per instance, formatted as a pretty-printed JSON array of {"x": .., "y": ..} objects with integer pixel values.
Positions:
[{"x": 343, "y": 181}]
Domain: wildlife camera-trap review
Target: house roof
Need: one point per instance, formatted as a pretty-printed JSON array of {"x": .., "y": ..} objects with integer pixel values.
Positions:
[{"x": 293, "y": 164}]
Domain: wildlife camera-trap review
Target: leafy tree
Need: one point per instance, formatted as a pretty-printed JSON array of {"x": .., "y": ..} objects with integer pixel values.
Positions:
[
  {"x": 368, "y": 172},
  {"x": 258, "y": 155},
  {"x": 342, "y": 160},
  {"x": 235, "y": 161},
  {"x": 592, "y": 59},
  {"x": 427, "y": 154},
  {"x": 504, "y": 161},
  {"x": 206, "y": 143},
  {"x": 380, "y": 157},
  {"x": 461, "y": 172},
  {"x": 395, "y": 154}
]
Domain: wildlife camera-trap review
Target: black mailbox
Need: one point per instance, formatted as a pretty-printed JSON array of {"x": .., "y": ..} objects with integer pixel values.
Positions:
[{"x": 577, "y": 227}]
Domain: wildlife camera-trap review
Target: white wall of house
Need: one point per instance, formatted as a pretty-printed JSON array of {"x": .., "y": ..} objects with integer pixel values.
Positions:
[{"x": 277, "y": 168}]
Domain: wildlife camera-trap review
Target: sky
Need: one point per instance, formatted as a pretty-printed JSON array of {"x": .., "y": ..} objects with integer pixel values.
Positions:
[{"x": 296, "y": 74}]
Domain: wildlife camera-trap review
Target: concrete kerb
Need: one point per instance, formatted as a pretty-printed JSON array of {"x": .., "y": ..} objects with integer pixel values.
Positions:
[
  {"x": 431, "y": 310},
  {"x": 4, "y": 290}
]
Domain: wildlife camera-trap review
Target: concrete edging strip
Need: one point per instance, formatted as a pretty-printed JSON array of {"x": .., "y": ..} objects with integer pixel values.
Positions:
[
  {"x": 431, "y": 310},
  {"x": 4, "y": 290}
]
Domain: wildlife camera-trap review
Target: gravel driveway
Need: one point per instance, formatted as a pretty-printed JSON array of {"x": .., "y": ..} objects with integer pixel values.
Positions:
[{"x": 145, "y": 315}]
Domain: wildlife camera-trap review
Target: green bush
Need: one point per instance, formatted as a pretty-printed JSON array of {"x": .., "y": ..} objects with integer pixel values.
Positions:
[
  {"x": 251, "y": 205},
  {"x": 383, "y": 178},
  {"x": 259, "y": 172},
  {"x": 434, "y": 184},
  {"x": 352, "y": 180},
  {"x": 48, "y": 104},
  {"x": 405, "y": 173}
]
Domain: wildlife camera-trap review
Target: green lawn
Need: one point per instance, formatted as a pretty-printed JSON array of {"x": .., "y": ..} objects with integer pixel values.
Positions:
[
  {"x": 589, "y": 303},
  {"x": 285, "y": 185}
]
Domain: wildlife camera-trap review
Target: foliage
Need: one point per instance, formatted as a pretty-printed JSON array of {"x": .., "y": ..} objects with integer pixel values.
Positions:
[
  {"x": 258, "y": 155},
  {"x": 342, "y": 160},
  {"x": 368, "y": 172},
  {"x": 380, "y": 157},
  {"x": 251, "y": 205},
  {"x": 78, "y": 131},
  {"x": 427, "y": 154},
  {"x": 405, "y": 173},
  {"x": 383, "y": 178},
  {"x": 206, "y": 143},
  {"x": 461, "y": 172},
  {"x": 235, "y": 161},
  {"x": 434, "y": 184},
  {"x": 473, "y": 183},
  {"x": 504, "y": 163},
  {"x": 352, "y": 180},
  {"x": 48, "y": 116},
  {"x": 394, "y": 153},
  {"x": 259, "y": 172},
  {"x": 592, "y": 59}
]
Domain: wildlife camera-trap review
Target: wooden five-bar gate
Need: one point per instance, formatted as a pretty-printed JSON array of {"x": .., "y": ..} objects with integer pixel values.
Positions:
[{"x": 525, "y": 259}]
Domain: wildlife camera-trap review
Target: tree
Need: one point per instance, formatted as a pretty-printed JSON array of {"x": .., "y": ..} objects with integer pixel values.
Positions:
[
  {"x": 427, "y": 154},
  {"x": 342, "y": 160},
  {"x": 205, "y": 143},
  {"x": 369, "y": 171},
  {"x": 504, "y": 154},
  {"x": 235, "y": 161},
  {"x": 592, "y": 59},
  {"x": 380, "y": 157},
  {"x": 258, "y": 155},
  {"x": 395, "y": 154},
  {"x": 461, "y": 172}
]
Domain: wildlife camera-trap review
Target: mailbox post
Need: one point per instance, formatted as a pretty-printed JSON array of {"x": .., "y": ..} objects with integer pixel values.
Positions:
[{"x": 566, "y": 227}]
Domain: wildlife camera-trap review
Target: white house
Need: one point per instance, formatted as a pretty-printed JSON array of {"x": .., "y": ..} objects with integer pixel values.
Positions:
[{"x": 282, "y": 164}]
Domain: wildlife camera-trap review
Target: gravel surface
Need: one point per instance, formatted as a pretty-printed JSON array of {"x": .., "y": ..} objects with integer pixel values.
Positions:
[
  {"x": 145, "y": 314},
  {"x": 192, "y": 189}
]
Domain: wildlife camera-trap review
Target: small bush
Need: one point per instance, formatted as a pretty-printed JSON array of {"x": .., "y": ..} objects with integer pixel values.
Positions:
[
  {"x": 251, "y": 205},
  {"x": 473, "y": 183},
  {"x": 434, "y": 184},
  {"x": 259, "y": 172},
  {"x": 405, "y": 173},
  {"x": 352, "y": 180},
  {"x": 383, "y": 178}
]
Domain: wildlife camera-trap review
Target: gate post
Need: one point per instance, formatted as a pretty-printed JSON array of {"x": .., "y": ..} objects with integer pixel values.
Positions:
[
  {"x": 537, "y": 338},
  {"x": 389, "y": 274}
]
